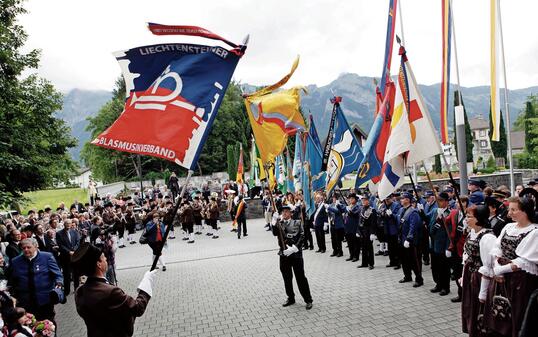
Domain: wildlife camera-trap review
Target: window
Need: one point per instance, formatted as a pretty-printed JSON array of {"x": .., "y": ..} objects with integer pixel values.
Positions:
[
  {"x": 483, "y": 133},
  {"x": 483, "y": 143}
]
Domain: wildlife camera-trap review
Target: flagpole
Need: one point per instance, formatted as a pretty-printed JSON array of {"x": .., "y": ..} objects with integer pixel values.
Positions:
[
  {"x": 401, "y": 21},
  {"x": 169, "y": 220},
  {"x": 461, "y": 141},
  {"x": 507, "y": 108}
]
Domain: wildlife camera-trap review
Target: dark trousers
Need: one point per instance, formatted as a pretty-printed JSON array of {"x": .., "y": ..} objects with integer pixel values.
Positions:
[
  {"x": 353, "y": 245},
  {"x": 425, "y": 244},
  {"x": 367, "y": 248},
  {"x": 337, "y": 236},
  {"x": 411, "y": 261},
  {"x": 457, "y": 271},
  {"x": 69, "y": 275},
  {"x": 241, "y": 223},
  {"x": 308, "y": 238},
  {"x": 290, "y": 266},
  {"x": 392, "y": 241},
  {"x": 440, "y": 270},
  {"x": 320, "y": 239},
  {"x": 188, "y": 227}
]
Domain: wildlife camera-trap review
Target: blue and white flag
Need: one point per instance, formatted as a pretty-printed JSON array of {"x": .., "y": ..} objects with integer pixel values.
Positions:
[{"x": 346, "y": 153}]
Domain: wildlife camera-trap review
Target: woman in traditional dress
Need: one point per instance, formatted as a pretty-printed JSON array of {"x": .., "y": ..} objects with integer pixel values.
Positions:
[
  {"x": 478, "y": 268},
  {"x": 516, "y": 269}
]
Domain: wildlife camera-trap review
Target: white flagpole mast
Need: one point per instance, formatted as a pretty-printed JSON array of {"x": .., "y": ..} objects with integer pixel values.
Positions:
[
  {"x": 506, "y": 108},
  {"x": 460, "y": 118}
]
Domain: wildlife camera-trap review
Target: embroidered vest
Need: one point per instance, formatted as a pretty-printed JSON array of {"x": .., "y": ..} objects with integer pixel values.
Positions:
[
  {"x": 509, "y": 244},
  {"x": 472, "y": 249}
]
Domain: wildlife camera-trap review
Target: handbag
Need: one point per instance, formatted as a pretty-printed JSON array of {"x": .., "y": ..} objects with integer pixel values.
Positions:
[
  {"x": 480, "y": 322},
  {"x": 143, "y": 237},
  {"x": 501, "y": 309}
]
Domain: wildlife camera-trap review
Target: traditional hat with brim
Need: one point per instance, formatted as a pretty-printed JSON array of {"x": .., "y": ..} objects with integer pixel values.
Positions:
[{"x": 85, "y": 258}]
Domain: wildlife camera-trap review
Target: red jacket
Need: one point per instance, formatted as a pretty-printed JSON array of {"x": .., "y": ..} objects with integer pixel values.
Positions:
[{"x": 457, "y": 235}]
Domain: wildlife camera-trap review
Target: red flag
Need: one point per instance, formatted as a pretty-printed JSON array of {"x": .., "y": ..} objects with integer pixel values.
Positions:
[{"x": 239, "y": 177}]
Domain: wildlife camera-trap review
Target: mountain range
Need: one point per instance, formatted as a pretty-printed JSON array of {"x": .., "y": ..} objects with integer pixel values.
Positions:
[{"x": 358, "y": 104}]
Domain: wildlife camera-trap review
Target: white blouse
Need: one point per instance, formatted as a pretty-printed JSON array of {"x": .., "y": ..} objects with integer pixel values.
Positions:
[
  {"x": 486, "y": 245},
  {"x": 527, "y": 250}
]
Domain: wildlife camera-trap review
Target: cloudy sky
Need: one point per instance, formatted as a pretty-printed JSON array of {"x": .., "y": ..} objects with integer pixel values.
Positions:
[{"x": 77, "y": 37}]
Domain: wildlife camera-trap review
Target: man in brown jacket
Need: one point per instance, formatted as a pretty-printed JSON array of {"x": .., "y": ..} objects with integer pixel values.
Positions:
[{"x": 106, "y": 309}]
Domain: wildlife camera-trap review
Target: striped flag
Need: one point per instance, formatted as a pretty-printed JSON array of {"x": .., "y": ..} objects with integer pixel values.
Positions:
[
  {"x": 389, "y": 42},
  {"x": 240, "y": 168},
  {"x": 495, "y": 69},
  {"x": 445, "y": 81}
]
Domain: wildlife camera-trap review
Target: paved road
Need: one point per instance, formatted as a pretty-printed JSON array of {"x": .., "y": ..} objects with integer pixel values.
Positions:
[{"x": 230, "y": 287}]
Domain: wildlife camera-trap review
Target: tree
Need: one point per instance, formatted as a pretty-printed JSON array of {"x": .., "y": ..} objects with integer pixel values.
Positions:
[
  {"x": 468, "y": 133},
  {"x": 437, "y": 168},
  {"x": 528, "y": 122},
  {"x": 33, "y": 143},
  {"x": 499, "y": 148}
]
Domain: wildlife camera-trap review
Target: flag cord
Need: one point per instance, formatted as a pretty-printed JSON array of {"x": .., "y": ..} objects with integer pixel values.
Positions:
[{"x": 169, "y": 219}]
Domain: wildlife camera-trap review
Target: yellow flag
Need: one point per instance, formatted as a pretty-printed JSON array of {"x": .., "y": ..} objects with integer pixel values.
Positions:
[{"x": 274, "y": 116}]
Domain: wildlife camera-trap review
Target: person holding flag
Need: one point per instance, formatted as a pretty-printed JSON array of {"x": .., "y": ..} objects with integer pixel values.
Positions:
[
  {"x": 409, "y": 239},
  {"x": 240, "y": 220}
]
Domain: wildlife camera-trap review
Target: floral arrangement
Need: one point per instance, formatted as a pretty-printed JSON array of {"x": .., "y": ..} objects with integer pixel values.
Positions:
[
  {"x": 28, "y": 319},
  {"x": 44, "y": 328}
]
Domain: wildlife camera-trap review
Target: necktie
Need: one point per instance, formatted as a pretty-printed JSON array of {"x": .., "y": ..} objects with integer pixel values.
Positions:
[
  {"x": 31, "y": 283},
  {"x": 159, "y": 234}
]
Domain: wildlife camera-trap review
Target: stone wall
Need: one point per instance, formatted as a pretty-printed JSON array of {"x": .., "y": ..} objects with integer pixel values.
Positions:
[
  {"x": 492, "y": 180},
  {"x": 254, "y": 210}
]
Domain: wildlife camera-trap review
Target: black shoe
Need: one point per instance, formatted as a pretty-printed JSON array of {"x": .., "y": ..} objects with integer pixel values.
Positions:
[
  {"x": 309, "y": 306},
  {"x": 245, "y": 234},
  {"x": 192, "y": 241},
  {"x": 397, "y": 267},
  {"x": 323, "y": 251},
  {"x": 185, "y": 239},
  {"x": 427, "y": 263},
  {"x": 349, "y": 259},
  {"x": 435, "y": 289},
  {"x": 418, "y": 284},
  {"x": 378, "y": 253},
  {"x": 238, "y": 237},
  {"x": 389, "y": 265},
  {"x": 355, "y": 260},
  {"x": 371, "y": 267},
  {"x": 318, "y": 251},
  {"x": 268, "y": 230},
  {"x": 405, "y": 280},
  {"x": 361, "y": 266},
  {"x": 444, "y": 292},
  {"x": 215, "y": 237},
  {"x": 333, "y": 254},
  {"x": 385, "y": 253},
  {"x": 455, "y": 299},
  {"x": 453, "y": 277},
  {"x": 288, "y": 303},
  {"x": 164, "y": 268},
  {"x": 339, "y": 254},
  {"x": 311, "y": 248}
]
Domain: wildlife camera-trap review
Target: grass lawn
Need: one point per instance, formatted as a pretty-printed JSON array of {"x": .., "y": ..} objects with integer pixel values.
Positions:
[{"x": 39, "y": 199}]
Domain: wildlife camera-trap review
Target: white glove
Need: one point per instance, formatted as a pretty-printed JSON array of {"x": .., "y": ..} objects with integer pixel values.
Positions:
[
  {"x": 448, "y": 253},
  {"x": 420, "y": 206},
  {"x": 325, "y": 226},
  {"x": 326, "y": 206},
  {"x": 406, "y": 244},
  {"x": 372, "y": 237},
  {"x": 312, "y": 230},
  {"x": 274, "y": 219},
  {"x": 146, "y": 285},
  {"x": 348, "y": 208},
  {"x": 499, "y": 270},
  {"x": 388, "y": 212},
  {"x": 98, "y": 241},
  {"x": 357, "y": 235},
  {"x": 290, "y": 250}
]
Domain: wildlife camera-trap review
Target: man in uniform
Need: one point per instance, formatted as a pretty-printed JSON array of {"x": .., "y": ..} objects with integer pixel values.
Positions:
[
  {"x": 439, "y": 229},
  {"x": 351, "y": 226},
  {"x": 409, "y": 238},
  {"x": 367, "y": 229},
  {"x": 320, "y": 219},
  {"x": 476, "y": 196},
  {"x": 388, "y": 213},
  {"x": 291, "y": 258},
  {"x": 106, "y": 309}
]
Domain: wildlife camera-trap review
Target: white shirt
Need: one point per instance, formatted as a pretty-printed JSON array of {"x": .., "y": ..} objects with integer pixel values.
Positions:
[{"x": 527, "y": 250}]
